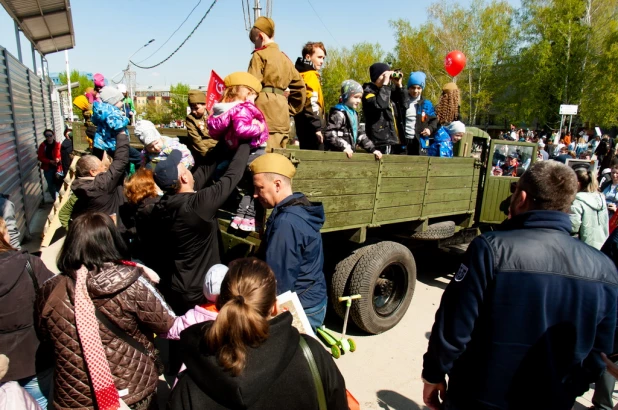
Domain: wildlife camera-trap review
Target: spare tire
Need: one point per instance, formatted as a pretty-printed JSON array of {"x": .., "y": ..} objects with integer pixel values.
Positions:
[
  {"x": 385, "y": 278},
  {"x": 440, "y": 230},
  {"x": 339, "y": 285}
]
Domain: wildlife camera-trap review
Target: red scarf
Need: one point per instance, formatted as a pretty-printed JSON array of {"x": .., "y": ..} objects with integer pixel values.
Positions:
[{"x": 105, "y": 393}]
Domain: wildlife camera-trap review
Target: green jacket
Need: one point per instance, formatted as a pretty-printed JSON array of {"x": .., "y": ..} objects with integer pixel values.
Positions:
[{"x": 589, "y": 218}]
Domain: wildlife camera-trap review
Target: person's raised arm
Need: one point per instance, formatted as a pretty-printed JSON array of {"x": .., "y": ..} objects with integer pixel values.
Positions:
[
  {"x": 211, "y": 198},
  {"x": 116, "y": 170}
]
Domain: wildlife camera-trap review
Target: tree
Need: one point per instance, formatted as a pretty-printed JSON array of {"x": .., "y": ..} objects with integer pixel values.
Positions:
[
  {"x": 345, "y": 64},
  {"x": 84, "y": 83},
  {"x": 158, "y": 113},
  {"x": 178, "y": 100}
]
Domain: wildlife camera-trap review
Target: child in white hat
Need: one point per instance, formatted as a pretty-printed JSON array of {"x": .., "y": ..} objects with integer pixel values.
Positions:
[
  {"x": 205, "y": 312},
  {"x": 157, "y": 147}
]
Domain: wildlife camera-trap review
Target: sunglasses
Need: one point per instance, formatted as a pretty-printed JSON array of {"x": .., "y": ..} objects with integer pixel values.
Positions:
[{"x": 49, "y": 135}]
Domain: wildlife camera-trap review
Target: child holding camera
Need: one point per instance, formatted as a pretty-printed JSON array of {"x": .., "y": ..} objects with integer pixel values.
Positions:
[{"x": 381, "y": 99}]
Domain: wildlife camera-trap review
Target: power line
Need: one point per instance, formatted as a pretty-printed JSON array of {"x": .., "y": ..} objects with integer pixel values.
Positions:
[
  {"x": 181, "y": 44},
  {"x": 170, "y": 37},
  {"x": 319, "y": 18}
]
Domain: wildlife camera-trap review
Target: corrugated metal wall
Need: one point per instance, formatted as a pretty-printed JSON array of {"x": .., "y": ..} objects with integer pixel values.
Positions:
[{"x": 25, "y": 112}]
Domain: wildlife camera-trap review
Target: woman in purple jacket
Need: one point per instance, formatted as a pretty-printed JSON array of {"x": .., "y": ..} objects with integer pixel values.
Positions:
[{"x": 236, "y": 119}]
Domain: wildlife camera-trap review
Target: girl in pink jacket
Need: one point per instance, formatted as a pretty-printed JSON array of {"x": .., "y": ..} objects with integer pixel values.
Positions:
[{"x": 236, "y": 119}]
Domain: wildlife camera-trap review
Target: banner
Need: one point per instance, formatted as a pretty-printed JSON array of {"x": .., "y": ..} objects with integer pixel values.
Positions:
[{"x": 215, "y": 90}]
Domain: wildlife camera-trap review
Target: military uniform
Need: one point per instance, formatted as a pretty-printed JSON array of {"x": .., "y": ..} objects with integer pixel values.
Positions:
[
  {"x": 199, "y": 142},
  {"x": 277, "y": 73}
]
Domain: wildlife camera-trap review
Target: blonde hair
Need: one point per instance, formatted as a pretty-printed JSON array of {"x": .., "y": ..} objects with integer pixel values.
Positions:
[
  {"x": 248, "y": 294},
  {"x": 447, "y": 109},
  {"x": 4, "y": 245},
  {"x": 232, "y": 93}
]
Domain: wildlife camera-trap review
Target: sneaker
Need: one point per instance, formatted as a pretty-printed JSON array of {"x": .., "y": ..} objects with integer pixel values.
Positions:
[
  {"x": 248, "y": 225},
  {"x": 236, "y": 222}
]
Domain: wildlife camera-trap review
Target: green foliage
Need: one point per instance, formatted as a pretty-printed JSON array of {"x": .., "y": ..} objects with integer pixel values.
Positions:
[
  {"x": 84, "y": 83},
  {"x": 158, "y": 113},
  {"x": 521, "y": 64},
  {"x": 178, "y": 100},
  {"x": 345, "y": 64}
]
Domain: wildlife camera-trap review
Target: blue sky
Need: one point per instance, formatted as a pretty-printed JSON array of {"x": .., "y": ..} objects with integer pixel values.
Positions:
[{"x": 107, "y": 33}]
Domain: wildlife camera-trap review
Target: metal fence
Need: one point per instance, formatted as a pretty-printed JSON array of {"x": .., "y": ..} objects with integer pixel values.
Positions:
[{"x": 25, "y": 112}]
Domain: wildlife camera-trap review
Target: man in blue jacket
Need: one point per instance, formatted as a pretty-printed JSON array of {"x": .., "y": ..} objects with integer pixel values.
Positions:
[
  {"x": 292, "y": 243},
  {"x": 523, "y": 322}
]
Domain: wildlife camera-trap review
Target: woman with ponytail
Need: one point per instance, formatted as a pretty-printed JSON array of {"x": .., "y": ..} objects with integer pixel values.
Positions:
[
  {"x": 589, "y": 216},
  {"x": 250, "y": 357}
]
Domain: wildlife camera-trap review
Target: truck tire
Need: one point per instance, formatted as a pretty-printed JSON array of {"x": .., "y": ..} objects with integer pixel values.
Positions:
[
  {"x": 340, "y": 278},
  {"x": 385, "y": 278},
  {"x": 440, "y": 230}
]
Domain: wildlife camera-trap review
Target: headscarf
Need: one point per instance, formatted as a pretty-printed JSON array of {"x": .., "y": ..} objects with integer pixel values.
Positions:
[
  {"x": 348, "y": 89},
  {"x": 81, "y": 102}
]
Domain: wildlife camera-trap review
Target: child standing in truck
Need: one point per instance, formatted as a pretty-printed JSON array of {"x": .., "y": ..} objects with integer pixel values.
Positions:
[{"x": 343, "y": 132}]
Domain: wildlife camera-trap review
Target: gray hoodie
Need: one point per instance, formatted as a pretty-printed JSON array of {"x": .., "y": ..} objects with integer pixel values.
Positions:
[{"x": 590, "y": 219}]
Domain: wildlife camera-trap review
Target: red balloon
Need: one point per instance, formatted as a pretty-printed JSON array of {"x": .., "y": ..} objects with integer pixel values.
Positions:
[{"x": 455, "y": 62}]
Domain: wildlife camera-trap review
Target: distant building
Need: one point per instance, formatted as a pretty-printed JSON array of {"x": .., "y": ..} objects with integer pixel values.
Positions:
[{"x": 157, "y": 94}]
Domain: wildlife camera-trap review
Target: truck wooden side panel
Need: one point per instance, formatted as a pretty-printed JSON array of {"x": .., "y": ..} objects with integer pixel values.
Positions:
[{"x": 363, "y": 192}]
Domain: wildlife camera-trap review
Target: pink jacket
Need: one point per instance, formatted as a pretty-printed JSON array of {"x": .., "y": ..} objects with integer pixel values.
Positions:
[
  {"x": 193, "y": 316},
  {"x": 234, "y": 122}
]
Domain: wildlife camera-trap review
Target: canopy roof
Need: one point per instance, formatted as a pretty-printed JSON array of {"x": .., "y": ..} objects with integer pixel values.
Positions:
[{"x": 48, "y": 24}]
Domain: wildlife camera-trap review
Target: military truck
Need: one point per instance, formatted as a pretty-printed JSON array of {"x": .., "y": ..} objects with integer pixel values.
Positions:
[{"x": 377, "y": 210}]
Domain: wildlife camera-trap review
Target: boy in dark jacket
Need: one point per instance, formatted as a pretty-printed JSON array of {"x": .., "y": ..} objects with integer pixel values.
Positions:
[
  {"x": 380, "y": 108},
  {"x": 343, "y": 132},
  {"x": 418, "y": 115}
]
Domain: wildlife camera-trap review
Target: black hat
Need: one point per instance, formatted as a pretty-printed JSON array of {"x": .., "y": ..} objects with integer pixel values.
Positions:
[
  {"x": 166, "y": 172},
  {"x": 514, "y": 155},
  {"x": 376, "y": 70}
]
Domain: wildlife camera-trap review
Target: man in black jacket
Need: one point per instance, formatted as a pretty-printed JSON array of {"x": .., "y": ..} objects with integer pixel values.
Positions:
[
  {"x": 380, "y": 108},
  {"x": 99, "y": 189},
  {"x": 518, "y": 328},
  {"x": 187, "y": 214}
]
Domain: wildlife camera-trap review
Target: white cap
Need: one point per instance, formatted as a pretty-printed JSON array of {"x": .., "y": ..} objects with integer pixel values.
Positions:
[
  {"x": 122, "y": 88},
  {"x": 455, "y": 127},
  {"x": 213, "y": 280},
  {"x": 146, "y": 132},
  {"x": 541, "y": 144}
]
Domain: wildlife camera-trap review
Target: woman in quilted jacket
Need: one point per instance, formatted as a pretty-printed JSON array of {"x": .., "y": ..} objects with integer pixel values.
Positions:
[
  {"x": 236, "y": 119},
  {"x": 18, "y": 339},
  {"x": 100, "y": 315}
]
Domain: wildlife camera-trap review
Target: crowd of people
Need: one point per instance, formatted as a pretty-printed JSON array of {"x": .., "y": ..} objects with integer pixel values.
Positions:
[{"x": 143, "y": 257}]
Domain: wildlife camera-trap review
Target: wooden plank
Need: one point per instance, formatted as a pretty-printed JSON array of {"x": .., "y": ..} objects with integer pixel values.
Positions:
[
  {"x": 399, "y": 212},
  {"x": 335, "y": 187},
  {"x": 390, "y": 199},
  {"x": 402, "y": 184},
  {"x": 404, "y": 170},
  {"x": 335, "y": 170},
  {"x": 347, "y": 219},
  {"x": 453, "y": 207},
  {"x": 451, "y": 161},
  {"x": 452, "y": 182},
  {"x": 330, "y": 156},
  {"x": 408, "y": 159},
  {"x": 445, "y": 170},
  {"x": 447, "y": 195},
  {"x": 342, "y": 203}
]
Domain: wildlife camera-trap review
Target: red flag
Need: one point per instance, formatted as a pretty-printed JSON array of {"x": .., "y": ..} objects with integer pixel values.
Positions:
[{"x": 215, "y": 90}]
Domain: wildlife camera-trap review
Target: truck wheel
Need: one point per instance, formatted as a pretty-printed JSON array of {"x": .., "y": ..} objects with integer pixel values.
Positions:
[
  {"x": 385, "y": 277},
  {"x": 440, "y": 230},
  {"x": 339, "y": 281}
]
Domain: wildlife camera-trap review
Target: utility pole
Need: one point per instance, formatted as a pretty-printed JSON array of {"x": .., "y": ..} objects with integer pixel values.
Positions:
[
  {"x": 70, "y": 111},
  {"x": 257, "y": 10}
]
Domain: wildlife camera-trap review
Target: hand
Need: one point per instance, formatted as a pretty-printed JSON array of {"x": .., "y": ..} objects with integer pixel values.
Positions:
[
  {"x": 426, "y": 132},
  {"x": 611, "y": 207},
  {"x": 258, "y": 123},
  {"x": 611, "y": 367},
  {"x": 434, "y": 394},
  {"x": 320, "y": 137},
  {"x": 398, "y": 81},
  {"x": 378, "y": 154},
  {"x": 348, "y": 152},
  {"x": 384, "y": 79}
]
